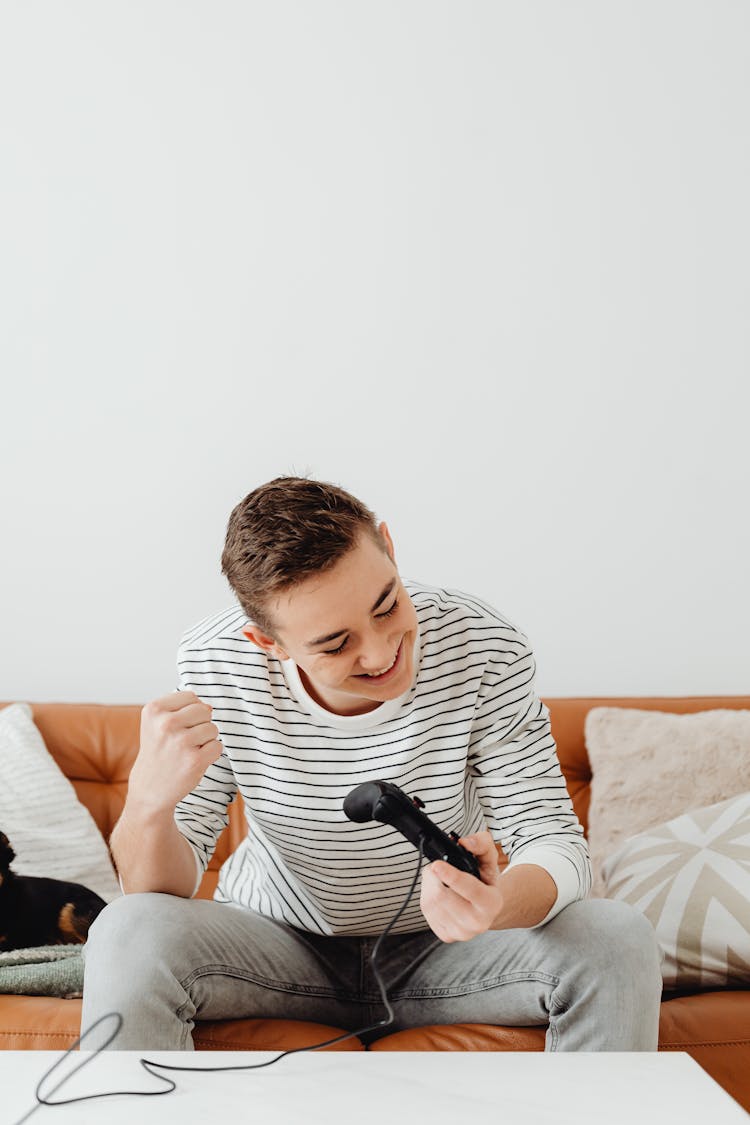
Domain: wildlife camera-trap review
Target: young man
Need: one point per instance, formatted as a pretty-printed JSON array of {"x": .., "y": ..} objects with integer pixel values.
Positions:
[{"x": 331, "y": 671}]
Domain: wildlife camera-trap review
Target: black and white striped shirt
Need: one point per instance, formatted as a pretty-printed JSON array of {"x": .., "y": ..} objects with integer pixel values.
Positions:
[{"x": 470, "y": 737}]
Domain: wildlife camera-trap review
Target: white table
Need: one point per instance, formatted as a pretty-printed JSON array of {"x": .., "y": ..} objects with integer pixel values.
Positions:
[{"x": 375, "y": 1088}]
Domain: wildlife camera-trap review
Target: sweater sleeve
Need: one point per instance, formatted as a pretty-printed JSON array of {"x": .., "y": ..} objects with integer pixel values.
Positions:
[
  {"x": 203, "y": 814},
  {"x": 517, "y": 776}
]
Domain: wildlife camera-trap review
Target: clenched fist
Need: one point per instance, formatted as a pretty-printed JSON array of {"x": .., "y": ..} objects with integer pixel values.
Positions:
[{"x": 178, "y": 744}]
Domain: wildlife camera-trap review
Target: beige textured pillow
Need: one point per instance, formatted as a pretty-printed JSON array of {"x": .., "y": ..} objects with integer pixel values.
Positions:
[
  {"x": 691, "y": 879},
  {"x": 651, "y": 766}
]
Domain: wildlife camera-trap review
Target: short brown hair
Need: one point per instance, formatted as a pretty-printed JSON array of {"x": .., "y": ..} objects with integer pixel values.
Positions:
[{"x": 285, "y": 531}]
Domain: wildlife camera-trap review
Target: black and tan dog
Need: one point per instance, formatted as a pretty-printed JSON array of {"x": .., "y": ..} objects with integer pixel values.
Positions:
[{"x": 36, "y": 911}]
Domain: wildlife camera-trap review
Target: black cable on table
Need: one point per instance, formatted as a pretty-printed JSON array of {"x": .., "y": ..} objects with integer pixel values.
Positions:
[{"x": 148, "y": 1064}]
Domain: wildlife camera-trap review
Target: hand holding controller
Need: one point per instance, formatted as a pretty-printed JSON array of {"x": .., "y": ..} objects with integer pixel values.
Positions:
[{"x": 384, "y": 801}]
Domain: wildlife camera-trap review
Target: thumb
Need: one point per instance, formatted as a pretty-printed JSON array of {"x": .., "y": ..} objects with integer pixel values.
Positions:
[
  {"x": 484, "y": 848},
  {"x": 211, "y": 752}
]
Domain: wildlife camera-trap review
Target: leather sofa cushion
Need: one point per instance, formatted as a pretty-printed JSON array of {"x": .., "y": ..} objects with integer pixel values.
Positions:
[{"x": 46, "y": 1023}]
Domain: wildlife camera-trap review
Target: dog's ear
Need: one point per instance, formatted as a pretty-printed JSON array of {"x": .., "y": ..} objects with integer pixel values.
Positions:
[{"x": 7, "y": 855}]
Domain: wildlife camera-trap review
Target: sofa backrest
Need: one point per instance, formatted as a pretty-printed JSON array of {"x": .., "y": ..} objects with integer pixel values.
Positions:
[{"x": 95, "y": 745}]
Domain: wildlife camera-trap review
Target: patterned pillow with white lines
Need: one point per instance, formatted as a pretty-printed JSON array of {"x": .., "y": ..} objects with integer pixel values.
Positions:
[
  {"x": 53, "y": 835},
  {"x": 691, "y": 879}
]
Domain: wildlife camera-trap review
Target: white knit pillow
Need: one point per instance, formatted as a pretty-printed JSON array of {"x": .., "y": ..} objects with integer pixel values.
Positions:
[
  {"x": 691, "y": 879},
  {"x": 51, "y": 832},
  {"x": 650, "y": 766}
]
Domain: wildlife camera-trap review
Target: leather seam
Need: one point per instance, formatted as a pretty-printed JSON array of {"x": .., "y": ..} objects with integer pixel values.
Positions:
[
  {"x": 714, "y": 1043},
  {"x": 6, "y": 1032},
  {"x": 223, "y": 1044}
]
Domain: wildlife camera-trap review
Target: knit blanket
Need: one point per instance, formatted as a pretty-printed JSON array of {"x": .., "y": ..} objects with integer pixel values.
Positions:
[{"x": 44, "y": 970}]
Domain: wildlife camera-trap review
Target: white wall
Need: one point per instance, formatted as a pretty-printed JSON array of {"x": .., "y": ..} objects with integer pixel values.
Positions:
[{"x": 485, "y": 264}]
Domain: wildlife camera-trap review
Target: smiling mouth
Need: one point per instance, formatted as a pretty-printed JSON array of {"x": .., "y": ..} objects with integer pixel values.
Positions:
[{"x": 388, "y": 672}]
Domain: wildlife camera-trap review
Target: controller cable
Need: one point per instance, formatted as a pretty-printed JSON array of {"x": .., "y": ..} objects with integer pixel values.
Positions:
[{"x": 148, "y": 1064}]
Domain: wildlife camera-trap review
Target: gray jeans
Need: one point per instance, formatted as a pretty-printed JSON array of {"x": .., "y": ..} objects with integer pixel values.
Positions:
[{"x": 592, "y": 974}]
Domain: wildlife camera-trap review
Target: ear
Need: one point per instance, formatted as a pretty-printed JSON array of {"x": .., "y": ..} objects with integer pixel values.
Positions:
[
  {"x": 7, "y": 855},
  {"x": 261, "y": 640},
  {"x": 385, "y": 533}
]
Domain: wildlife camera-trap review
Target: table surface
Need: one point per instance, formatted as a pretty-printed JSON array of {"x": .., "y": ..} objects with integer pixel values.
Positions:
[{"x": 365, "y": 1088}]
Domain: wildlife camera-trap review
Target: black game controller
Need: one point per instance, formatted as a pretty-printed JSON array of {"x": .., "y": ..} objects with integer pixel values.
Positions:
[{"x": 384, "y": 801}]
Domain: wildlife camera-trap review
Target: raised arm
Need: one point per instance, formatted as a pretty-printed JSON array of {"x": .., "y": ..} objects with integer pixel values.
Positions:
[{"x": 178, "y": 742}]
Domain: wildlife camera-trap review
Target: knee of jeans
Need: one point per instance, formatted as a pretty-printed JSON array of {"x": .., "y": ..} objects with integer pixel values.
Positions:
[
  {"x": 603, "y": 926},
  {"x": 625, "y": 937},
  {"x": 126, "y": 922}
]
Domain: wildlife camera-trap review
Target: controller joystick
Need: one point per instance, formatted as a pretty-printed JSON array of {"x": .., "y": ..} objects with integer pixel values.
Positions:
[{"x": 384, "y": 801}]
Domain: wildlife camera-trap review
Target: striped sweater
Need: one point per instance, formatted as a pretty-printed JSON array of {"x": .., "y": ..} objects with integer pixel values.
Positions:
[{"x": 470, "y": 737}]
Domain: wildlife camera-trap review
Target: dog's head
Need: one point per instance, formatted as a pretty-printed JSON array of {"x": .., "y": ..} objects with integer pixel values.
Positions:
[{"x": 7, "y": 855}]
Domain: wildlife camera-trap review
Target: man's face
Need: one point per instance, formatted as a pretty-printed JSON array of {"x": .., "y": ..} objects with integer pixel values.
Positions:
[{"x": 344, "y": 625}]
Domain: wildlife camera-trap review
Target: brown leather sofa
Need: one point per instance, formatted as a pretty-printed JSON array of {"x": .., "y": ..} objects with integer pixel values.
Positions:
[{"x": 95, "y": 746}]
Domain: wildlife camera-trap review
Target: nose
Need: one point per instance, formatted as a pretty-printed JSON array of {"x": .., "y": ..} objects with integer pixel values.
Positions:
[{"x": 378, "y": 657}]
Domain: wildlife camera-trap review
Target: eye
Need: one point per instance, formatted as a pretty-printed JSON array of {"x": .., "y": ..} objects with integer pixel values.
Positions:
[
  {"x": 335, "y": 651},
  {"x": 342, "y": 646},
  {"x": 388, "y": 612}
]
